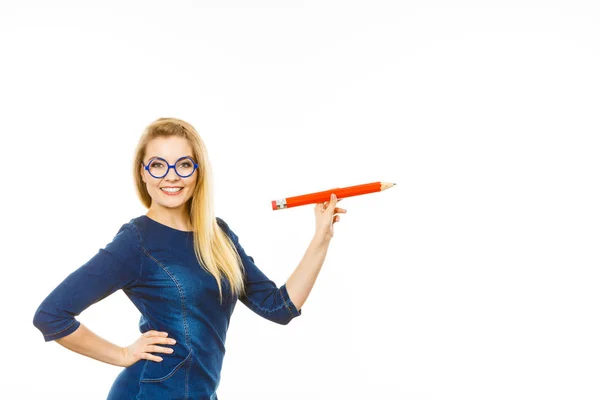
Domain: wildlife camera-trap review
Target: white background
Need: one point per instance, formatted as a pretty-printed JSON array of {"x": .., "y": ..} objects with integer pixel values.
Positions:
[{"x": 476, "y": 277}]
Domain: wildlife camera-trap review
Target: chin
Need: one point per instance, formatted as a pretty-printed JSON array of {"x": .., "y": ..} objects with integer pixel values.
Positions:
[{"x": 174, "y": 203}]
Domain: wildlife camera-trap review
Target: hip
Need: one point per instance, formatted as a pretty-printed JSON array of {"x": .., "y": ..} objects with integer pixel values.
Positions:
[{"x": 137, "y": 383}]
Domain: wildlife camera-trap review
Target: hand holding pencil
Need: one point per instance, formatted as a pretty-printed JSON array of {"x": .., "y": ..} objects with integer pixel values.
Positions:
[{"x": 326, "y": 216}]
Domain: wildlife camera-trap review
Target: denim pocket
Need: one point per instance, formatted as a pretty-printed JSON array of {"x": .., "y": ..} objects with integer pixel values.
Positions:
[{"x": 161, "y": 371}]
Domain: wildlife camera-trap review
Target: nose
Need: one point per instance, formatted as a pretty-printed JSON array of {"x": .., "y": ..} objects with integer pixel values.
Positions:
[{"x": 172, "y": 175}]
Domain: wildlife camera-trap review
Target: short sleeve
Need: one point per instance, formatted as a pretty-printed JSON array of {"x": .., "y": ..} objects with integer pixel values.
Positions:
[
  {"x": 115, "y": 266},
  {"x": 262, "y": 295}
]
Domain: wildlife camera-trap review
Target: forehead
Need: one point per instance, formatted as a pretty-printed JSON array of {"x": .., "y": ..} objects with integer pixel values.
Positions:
[{"x": 168, "y": 148}]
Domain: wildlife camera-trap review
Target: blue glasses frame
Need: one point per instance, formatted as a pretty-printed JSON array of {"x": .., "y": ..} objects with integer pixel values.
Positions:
[{"x": 169, "y": 166}]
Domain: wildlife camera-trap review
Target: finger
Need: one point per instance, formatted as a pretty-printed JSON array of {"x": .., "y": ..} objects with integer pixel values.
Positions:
[
  {"x": 154, "y": 333},
  {"x": 333, "y": 199},
  {"x": 326, "y": 203},
  {"x": 148, "y": 356},
  {"x": 158, "y": 349},
  {"x": 161, "y": 340}
]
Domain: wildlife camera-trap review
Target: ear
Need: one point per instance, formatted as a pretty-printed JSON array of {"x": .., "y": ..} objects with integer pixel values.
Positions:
[{"x": 142, "y": 172}]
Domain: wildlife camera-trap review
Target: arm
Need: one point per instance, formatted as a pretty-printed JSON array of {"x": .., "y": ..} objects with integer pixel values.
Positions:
[
  {"x": 86, "y": 342},
  {"x": 295, "y": 291},
  {"x": 262, "y": 295},
  {"x": 302, "y": 280},
  {"x": 116, "y": 266}
]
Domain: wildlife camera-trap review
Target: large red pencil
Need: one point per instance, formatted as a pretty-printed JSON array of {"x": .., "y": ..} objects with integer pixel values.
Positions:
[{"x": 321, "y": 197}]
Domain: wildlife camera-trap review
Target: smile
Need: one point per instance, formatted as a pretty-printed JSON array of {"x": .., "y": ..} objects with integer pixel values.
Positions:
[{"x": 171, "y": 191}]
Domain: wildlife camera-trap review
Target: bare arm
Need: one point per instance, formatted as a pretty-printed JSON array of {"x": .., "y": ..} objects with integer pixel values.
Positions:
[
  {"x": 302, "y": 280},
  {"x": 87, "y": 343}
]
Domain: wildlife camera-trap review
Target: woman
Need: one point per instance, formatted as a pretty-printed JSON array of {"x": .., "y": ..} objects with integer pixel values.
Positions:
[{"x": 184, "y": 269}]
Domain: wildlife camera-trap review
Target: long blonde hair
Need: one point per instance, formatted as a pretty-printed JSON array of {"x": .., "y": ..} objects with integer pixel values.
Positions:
[{"x": 213, "y": 248}]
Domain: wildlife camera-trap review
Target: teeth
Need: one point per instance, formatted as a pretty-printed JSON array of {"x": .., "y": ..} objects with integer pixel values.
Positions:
[{"x": 171, "y": 190}]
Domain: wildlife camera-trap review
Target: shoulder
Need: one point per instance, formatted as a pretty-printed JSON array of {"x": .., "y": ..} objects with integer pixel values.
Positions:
[
  {"x": 127, "y": 237},
  {"x": 222, "y": 224},
  {"x": 131, "y": 228},
  {"x": 225, "y": 227}
]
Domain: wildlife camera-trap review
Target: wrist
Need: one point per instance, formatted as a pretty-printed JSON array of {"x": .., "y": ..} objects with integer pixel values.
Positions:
[
  {"x": 321, "y": 238},
  {"x": 122, "y": 359}
]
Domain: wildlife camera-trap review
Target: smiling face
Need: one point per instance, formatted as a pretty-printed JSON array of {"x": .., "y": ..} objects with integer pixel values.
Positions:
[{"x": 170, "y": 149}]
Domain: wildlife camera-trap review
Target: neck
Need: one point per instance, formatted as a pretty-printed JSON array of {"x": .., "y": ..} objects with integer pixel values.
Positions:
[{"x": 177, "y": 218}]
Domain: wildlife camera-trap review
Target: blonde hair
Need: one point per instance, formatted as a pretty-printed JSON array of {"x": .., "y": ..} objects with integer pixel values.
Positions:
[{"x": 213, "y": 248}]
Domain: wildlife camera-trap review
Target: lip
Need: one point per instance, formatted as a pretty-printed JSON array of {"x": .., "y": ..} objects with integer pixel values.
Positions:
[{"x": 172, "y": 194}]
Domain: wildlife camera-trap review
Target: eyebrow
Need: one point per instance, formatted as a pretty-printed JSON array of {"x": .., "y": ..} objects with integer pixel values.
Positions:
[{"x": 151, "y": 157}]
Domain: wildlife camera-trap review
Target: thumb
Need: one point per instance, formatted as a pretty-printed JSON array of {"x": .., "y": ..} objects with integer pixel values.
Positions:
[{"x": 332, "y": 202}]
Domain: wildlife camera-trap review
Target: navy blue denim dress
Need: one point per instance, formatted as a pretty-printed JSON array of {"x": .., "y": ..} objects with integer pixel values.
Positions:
[{"x": 156, "y": 267}]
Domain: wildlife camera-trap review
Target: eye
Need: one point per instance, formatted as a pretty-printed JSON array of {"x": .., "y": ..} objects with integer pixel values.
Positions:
[{"x": 156, "y": 164}]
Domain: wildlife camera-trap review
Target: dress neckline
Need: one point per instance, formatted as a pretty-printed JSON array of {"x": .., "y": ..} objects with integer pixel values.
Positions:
[{"x": 164, "y": 226}]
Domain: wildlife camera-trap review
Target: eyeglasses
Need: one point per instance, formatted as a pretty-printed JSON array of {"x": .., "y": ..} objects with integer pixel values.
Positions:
[{"x": 159, "y": 167}]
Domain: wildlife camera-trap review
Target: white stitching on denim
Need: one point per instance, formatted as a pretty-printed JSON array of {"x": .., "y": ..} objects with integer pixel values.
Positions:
[
  {"x": 285, "y": 302},
  {"x": 266, "y": 310},
  {"x": 62, "y": 330},
  {"x": 181, "y": 295},
  {"x": 164, "y": 378},
  {"x": 141, "y": 247},
  {"x": 187, "y": 378}
]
